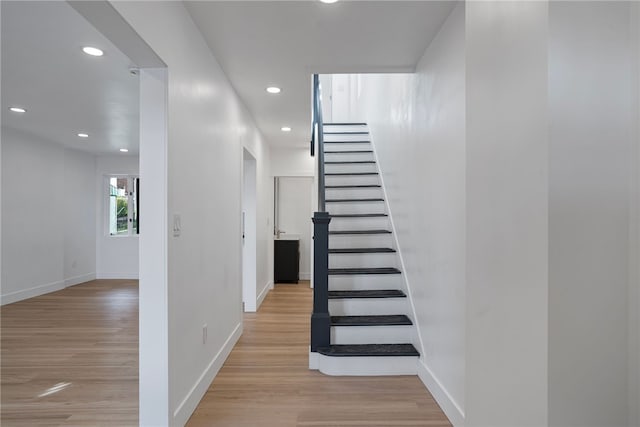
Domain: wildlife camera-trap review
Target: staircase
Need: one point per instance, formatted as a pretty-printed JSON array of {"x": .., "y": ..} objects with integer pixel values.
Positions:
[{"x": 370, "y": 330}]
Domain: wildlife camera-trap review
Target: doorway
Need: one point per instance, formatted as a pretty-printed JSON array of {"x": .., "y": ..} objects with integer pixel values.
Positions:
[
  {"x": 249, "y": 238},
  {"x": 293, "y": 212}
]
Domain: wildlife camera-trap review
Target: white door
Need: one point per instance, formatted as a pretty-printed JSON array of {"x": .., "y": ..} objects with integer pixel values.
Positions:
[{"x": 294, "y": 216}]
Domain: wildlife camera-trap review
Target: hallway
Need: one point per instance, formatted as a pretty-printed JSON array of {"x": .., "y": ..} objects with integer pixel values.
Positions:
[{"x": 266, "y": 381}]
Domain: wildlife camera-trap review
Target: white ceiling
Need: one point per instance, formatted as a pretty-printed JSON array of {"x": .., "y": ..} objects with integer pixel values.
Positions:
[
  {"x": 281, "y": 43},
  {"x": 64, "y": 90}
]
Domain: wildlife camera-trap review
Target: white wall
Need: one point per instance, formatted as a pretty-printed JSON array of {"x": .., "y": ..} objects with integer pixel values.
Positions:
[
  {"x": 634, "y": 241},
  {"x": 591, "y": 91},
  {"x": 417, "y": 123},
  {"x": 507, "y": 192},
  {"x": 117, "y": 256},
  {"x": 80, "y": 218},
  {"x": 292, "y": 162},
  {"x": 48, "y": 216},
  {"x": 207, "y": 128}
]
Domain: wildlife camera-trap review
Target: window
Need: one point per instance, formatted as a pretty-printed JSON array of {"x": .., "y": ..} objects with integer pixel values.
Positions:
[{"x": 123, "y": 205}]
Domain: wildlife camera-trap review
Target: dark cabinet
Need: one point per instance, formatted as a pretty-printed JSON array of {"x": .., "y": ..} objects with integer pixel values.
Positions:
[{"x": 286, "y": 261}]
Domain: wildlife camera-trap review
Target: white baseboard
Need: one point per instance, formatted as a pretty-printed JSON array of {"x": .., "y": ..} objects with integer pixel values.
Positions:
[
  {"x": 72, "y": 281},
  {"x": 447, "y": 403},
  {"x": 190, "y": 402},
  {"x": 110, "y": 276},
  {"x": 263, "y": 294},
  {"x": 305, "y": 276},
  {"x": 313, "y": 360},
  {"x": 31, "y": 292}
]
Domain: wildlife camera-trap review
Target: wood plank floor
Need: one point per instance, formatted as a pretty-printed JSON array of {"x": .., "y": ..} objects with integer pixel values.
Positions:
[
  {"x": 266, "y": 381},
  {"x": 71, "y": 357}
]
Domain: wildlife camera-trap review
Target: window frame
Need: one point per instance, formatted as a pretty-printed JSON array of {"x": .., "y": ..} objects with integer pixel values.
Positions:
[{"x": 131, "y": 232}]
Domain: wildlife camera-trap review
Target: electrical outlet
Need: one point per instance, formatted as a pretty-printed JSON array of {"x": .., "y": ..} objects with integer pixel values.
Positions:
[
  {"x": 204, "y": 333},
  {"x": 177, "y": 225}
]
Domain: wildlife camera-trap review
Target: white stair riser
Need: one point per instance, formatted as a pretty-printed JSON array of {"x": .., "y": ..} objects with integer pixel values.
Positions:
[
  {"x": 362, "y": 260},
  {"x": 365, "y": 282},
  {"x": 351, "y": 180},
  {"x": 367, "y": 306},
  {"x": 351, "y": 167},
  {"x": 360, "y": 223},
  {"x": 345, "y": 128},
  {"x": 371, "y": 334},
  {"x": 348, "y": 157},
  {"x": 346, "y": 146},
  {"x": 360, "y": 241},
  {"x": 368, "y": 366},
  {"x": 355, "y": 207},
  {"x": 354, "y": 193},
  {"x": 345, "y": 137}
]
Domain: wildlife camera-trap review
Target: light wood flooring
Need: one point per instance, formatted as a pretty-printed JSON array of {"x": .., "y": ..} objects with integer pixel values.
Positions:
[
  {"x": 266, "y": 381},
  {"x": 70, "y": 358}
]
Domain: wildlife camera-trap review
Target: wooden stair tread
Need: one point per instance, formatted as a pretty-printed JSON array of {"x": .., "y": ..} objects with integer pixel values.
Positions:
[
  {"x": 356, "y": 215},
  {"x": 339, "y": 232},
  {"x": 383, "y": 293},
  {"x": 354, "y": 200},
  {"x": 364, "y": 270},
  {"x": 344, "y": 124},
  {"x": 361, "y": 250},
  {"x": 340, "y": 187},
  {"x": 354, "y": 162},
  {"x": 350, "y": 173},
  {"x": 369, "y": 350},
  {"x": 348, "y": 152},
  {"x": 378, "y": 320}
]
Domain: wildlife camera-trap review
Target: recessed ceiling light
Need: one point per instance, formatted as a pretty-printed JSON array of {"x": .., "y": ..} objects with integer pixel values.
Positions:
[
  {"x": 328, "y": 1},
  {"x": 124, "y": 150},
  {"x": 273, "y": 89},
  {"x": 17, "y": 109},
  {"x": 285, "y": 129},
  {"x": 83, "y": 135},
  {"x": 93, "y": 51}
]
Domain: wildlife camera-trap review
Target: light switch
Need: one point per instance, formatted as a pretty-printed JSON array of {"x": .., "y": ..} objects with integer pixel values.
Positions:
[{"x": 177, "y": 225}]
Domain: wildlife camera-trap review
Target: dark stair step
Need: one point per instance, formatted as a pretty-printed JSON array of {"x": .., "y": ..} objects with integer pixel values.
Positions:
[
  {"x": 384, "y": 320},
  {"x": 360, "y": 232},
  {"x": 344, "y": 124},
  {"x": 353, "y": 186},
  {"x": 356, "y": 162},
  {"x": 347, "y": 142},
  {"x": 348, "y": 152},
  {"x": 351, "y": 173},
  {"x": 354, "y": 200},
  {"x": 385, "y": 293},
  {"x": 361, "y": 250},
  {"x": 377, "y": 270},
  {"x": 354, "y": 350},
  {"x": 358, "y": 132},
  {"x": 369, "y": 215}
]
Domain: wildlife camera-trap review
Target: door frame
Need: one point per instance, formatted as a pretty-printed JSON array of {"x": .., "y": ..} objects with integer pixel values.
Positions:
[{"x": 249, "y": 232}]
